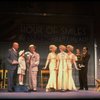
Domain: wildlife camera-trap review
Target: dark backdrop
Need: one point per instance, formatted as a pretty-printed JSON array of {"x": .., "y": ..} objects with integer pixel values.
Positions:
[{"x": 45, "y": 23}]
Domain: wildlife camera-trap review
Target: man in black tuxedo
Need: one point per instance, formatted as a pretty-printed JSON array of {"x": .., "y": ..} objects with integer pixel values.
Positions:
[
  {"x": 84, "y": 69},
  {"x": 12, "y": 63}
]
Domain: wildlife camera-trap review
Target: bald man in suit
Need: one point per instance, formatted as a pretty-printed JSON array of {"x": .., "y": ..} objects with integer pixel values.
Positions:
[{"x": 12, "y": 63}]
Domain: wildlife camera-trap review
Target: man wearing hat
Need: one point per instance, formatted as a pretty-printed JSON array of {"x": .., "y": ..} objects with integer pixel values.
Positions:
[{"x": 33, "y": 68}]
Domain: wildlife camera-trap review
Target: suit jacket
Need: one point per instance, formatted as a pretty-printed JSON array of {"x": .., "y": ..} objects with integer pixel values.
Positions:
[
  {"x": 11, "y": 55},
  {"x": 85, "y": 59},
  {"x": 34, "y": 61}
]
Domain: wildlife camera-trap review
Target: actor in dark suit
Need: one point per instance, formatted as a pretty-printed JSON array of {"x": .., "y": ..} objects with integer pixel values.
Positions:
[
  {"x": 12, "y": 62},
  {"x": 84, "y": 69}
]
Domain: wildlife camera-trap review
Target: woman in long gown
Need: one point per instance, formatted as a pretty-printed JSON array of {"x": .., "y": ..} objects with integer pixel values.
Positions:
[
  {"x": 62, "y": 68},
  {"x": 71, "y": 59},
  {"x": 51, "y": 60}
]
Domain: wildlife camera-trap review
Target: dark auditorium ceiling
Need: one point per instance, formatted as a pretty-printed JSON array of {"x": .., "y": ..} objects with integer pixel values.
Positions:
[
  {"x": 8, "y": 9},
  {"x": 81, "y": 8}
]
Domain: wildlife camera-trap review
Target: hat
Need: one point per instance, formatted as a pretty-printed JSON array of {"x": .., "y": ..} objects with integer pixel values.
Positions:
[
  {"x": 31, "y": 45},
  {"x": 21, "y": 52}
]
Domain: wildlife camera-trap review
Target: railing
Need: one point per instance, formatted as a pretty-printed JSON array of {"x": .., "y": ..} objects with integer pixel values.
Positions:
[{"x": 3, "y": 78}]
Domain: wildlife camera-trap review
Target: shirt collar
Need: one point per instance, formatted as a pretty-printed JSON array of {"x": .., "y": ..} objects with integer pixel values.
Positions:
[{"x": 14, "y": 49}]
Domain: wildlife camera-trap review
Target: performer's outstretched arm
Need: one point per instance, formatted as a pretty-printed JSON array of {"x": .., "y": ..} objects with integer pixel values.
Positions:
[
  {"x": 74, "y": 62},
  {"x": 76, "y": 66},
  {"x": 47, "y": 62}
]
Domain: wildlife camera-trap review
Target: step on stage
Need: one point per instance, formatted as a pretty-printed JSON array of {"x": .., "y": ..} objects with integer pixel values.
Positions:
[{"x": 41, "y": 94}]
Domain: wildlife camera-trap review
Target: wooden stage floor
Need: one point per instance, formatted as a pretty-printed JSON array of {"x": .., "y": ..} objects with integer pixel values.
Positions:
[{"x": 41, "y": 94}]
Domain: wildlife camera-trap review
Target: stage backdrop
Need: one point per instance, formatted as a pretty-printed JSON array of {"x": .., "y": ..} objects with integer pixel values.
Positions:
[{"x": 45, "y": 30}]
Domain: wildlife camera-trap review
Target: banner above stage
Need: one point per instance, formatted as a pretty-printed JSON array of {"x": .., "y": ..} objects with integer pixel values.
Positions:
[{"x": 52, "y": 33}]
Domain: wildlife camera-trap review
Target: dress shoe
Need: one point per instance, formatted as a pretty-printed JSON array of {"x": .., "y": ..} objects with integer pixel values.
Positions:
[
  {"x": 52, "y": 90},
  {"x": 86, "y": 88},
  {"x": 80, "y": 89},
  {"x": 34, "y": 90},
  {"x": 13, "y": 89},
  {"x": 63, "y": 90},
  {"x": 30, "y": 90},
  {"x": 10, "y": 91},
  {"x": 68, "y": 90}
]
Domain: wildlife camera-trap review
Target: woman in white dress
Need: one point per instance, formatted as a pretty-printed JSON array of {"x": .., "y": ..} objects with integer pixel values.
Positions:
[
  {"x": 51, "y": 60},
  {"x": 71, "y": 59},
  {"x": 62, "y": 68}
]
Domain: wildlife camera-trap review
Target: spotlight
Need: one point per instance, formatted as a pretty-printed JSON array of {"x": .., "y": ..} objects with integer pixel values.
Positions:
[{"x": 44, "y": 14}]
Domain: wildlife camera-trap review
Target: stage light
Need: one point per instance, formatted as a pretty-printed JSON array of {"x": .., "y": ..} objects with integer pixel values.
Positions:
[{"x": 44, "y": 14}]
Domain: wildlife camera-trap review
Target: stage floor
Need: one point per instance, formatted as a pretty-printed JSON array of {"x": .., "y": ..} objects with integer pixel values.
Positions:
[{"x": 41, "y": 94}]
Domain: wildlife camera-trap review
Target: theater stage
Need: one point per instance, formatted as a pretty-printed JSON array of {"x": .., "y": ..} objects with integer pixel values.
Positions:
[{"x": 41, "y": 94}]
